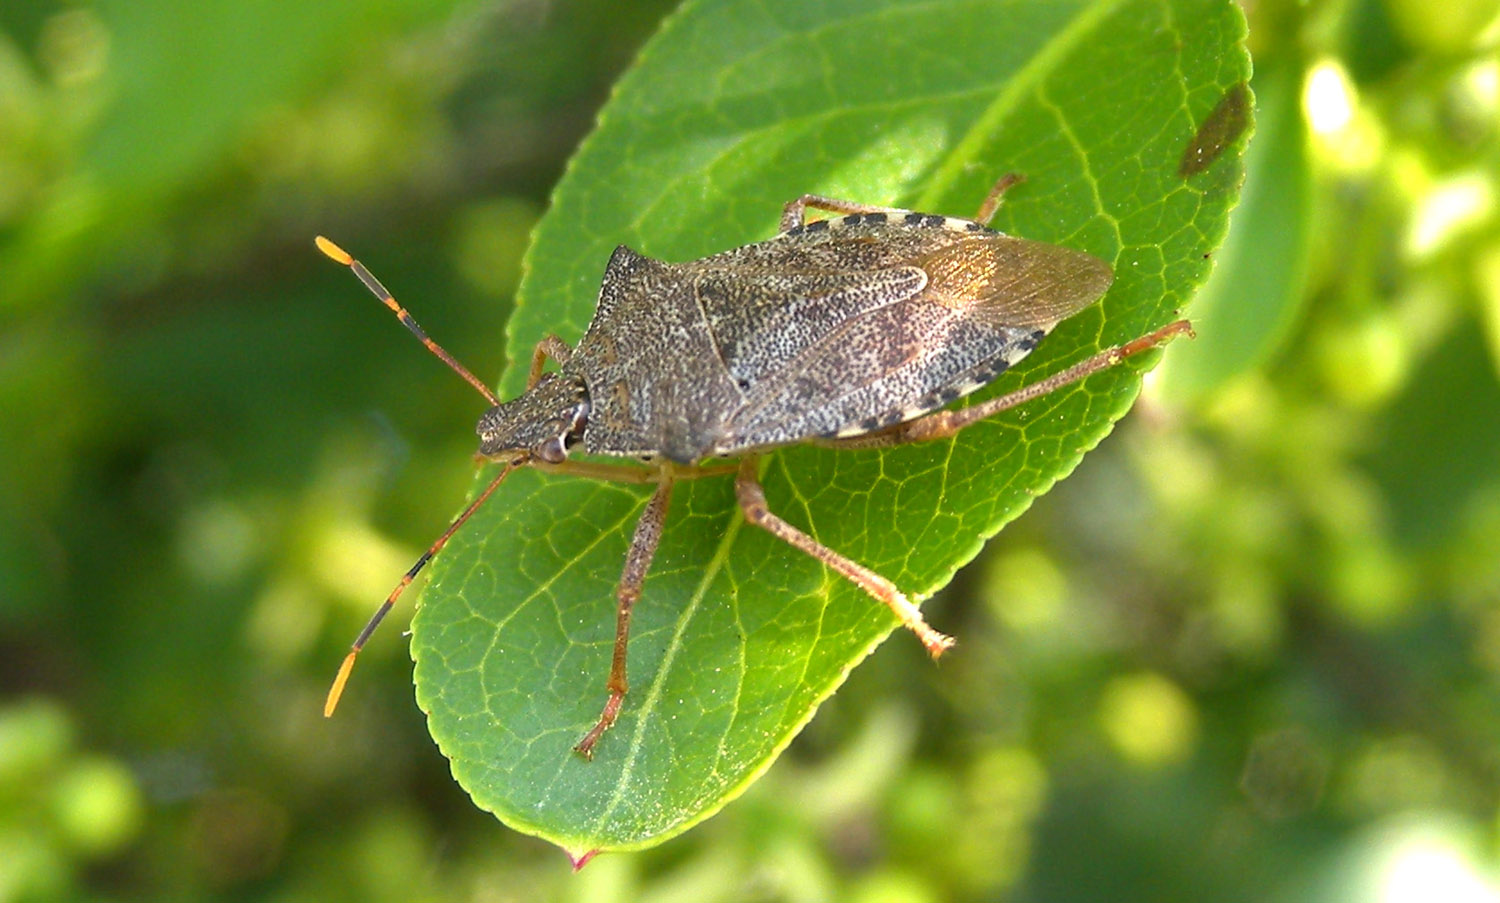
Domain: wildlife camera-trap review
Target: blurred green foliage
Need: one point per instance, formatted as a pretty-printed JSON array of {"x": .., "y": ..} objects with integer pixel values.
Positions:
[{"x": 1249, "y": 651}]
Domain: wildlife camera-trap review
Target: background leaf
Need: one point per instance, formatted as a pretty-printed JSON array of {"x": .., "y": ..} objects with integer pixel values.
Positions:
[{"x": 731, "y": 110}]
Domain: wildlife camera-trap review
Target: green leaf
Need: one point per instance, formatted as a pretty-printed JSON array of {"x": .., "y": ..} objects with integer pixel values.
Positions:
[{"x": 733, "y": 109}]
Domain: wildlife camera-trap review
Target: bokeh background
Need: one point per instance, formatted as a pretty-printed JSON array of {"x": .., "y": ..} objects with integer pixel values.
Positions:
[{"x": 1249, "y": 651}]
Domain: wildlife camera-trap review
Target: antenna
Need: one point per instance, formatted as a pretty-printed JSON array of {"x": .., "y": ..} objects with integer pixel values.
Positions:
[
  {"x": 338, "y": 254},
  {"x": 337, "y": 690}
]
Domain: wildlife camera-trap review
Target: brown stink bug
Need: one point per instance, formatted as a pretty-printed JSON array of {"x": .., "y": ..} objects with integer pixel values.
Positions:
[{"x": 851, "y": 332}]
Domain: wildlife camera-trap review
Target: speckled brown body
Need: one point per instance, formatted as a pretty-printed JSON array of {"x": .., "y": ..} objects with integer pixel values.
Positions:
[{"x": 836, "y": 328}]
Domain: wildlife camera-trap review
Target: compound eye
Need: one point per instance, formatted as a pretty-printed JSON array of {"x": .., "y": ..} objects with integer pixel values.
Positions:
[{"x": 552, "y": 451}]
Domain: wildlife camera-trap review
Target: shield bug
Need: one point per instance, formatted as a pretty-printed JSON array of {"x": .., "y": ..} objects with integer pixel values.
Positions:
[{"x": 850, "y": 332}]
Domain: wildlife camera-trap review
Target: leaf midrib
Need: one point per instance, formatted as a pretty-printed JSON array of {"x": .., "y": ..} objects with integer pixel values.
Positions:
[{"x": 1020, "y": 82}]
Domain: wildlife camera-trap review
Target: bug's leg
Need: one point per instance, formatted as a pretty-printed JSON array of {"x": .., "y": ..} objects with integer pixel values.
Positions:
[
  {"x": 637, "y": 562},
  {"x": 992, "y": 200},
  {"x": 795, "y": 212},
  {"x": 752, "y": 499},
  {"x": 552, "y": 347},
  {"x": 943, "y": 424}
]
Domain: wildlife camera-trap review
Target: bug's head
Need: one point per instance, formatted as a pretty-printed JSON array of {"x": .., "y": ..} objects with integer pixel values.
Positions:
[{"x": 542, "y": 423}]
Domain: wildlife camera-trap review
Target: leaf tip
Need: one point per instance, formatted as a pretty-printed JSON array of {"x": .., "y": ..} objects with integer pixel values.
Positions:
[{"x": 580, "y": 860}]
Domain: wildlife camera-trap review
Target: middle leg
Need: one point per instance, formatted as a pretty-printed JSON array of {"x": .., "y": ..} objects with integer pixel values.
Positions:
[{"x": 637, "y": 562}]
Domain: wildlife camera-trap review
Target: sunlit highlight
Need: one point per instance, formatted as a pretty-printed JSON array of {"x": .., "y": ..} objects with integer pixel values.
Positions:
[
  {"x": 1426, "y": 868},
  {"x": 1482, "y": 85},
  {"x": 1452, "y": 207},
  {"x": 1328, "y": 98},
  {"x": 1347, "y": 138}
]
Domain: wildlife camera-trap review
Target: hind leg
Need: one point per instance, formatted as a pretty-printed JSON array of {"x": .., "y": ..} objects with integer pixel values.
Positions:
[{"x": 752, "y": 499}]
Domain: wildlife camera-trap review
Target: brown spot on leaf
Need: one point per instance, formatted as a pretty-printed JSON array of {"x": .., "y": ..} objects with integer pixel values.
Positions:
[{"x": 1225, "y": 124}]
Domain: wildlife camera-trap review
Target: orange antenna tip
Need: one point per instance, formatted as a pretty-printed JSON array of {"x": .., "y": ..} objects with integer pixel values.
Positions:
[
  {"x": 333, "y": 251},
  {"x": 337, "y": 690}
]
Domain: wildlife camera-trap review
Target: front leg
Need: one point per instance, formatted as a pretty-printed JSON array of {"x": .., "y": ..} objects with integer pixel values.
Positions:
[{"x": 552, "y": 347}]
